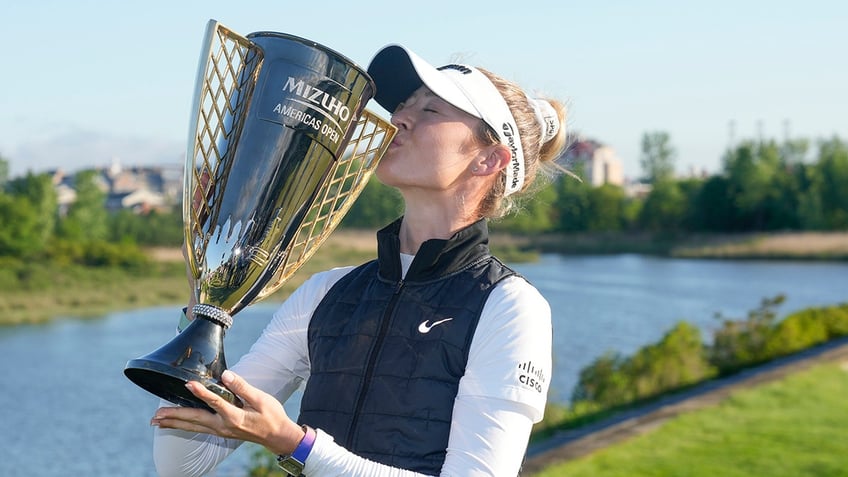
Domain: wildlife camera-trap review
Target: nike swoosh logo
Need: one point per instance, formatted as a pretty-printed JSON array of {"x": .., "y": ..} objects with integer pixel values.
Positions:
[{"x": 426, "y": 326}]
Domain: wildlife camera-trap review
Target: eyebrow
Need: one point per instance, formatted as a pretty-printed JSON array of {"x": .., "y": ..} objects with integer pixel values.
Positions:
[{"x": 431, "y": 95}]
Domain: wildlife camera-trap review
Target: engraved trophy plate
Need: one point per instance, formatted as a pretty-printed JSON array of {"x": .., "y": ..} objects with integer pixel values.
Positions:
[{"x": 280, "y": 146}]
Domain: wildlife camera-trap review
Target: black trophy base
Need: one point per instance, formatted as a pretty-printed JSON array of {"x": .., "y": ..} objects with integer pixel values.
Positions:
[
  {"x": 169, "y": 383},
  {"x": 196, "y": 354}
]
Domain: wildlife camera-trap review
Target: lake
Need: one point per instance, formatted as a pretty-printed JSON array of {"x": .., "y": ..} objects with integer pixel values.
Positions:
[{"x": 67, "y": 409}]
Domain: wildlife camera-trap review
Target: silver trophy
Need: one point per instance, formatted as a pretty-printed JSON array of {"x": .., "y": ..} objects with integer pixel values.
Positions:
[{"x": 280, "y": 146}]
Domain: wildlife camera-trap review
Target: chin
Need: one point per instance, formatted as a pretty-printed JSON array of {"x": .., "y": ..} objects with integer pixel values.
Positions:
[{"x": 383, "y": 174}]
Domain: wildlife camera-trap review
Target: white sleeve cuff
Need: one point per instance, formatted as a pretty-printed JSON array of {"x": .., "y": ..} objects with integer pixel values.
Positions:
[{"x": 330, "y": 459}]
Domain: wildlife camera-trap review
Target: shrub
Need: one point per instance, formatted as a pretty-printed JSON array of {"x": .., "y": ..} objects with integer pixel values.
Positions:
[
  {"x": 836, "y": 321},
  {"x": 677, "y": 360},
  {"x": 741, "y": 343},
  {"x": 604, "y": 382},
  {"x": 796, "y": 332},
  {"x": 98, "y": 253}
]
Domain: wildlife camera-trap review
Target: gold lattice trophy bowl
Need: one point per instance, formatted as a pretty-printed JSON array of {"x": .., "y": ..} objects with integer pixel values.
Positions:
[{"x": 280, "y": 146}]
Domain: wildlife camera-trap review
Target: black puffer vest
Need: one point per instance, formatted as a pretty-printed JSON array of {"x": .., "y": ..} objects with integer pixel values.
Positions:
[{"x": 387, "y": 354}]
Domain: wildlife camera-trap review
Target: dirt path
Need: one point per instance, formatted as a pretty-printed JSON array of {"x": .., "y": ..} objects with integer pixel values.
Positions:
[{"x": 569, "y": 445}]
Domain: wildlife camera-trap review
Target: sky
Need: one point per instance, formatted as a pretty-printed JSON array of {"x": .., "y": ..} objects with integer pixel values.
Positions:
[{"x": 86, "y": 83}]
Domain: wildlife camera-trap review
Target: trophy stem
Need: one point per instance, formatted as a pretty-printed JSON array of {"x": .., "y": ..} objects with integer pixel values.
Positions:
[{"x": 196, "y": 354}]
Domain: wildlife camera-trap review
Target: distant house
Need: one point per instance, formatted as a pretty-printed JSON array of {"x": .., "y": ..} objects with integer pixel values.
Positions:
[
  {"x": 63, "y": 184},
  {"x": 65, "y": 196},
  {"x": 639, "y": 190},
  {"x": 601, "y": 164},
  {"x": 140, "y": 201},
  {"x": 140, "y": 189}
]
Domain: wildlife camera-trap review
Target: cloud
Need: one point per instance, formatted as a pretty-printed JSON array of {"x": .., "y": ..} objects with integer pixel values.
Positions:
[{"x": 73, "y": 149}]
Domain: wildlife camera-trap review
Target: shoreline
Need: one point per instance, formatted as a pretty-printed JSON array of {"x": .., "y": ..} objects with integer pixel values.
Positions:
[
  {"x": 91, "y": 293},
  {"x": 814, "y": 246}
]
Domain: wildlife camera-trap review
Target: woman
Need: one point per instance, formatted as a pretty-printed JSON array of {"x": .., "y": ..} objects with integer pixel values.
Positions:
[{"x": 433, "y": 359}]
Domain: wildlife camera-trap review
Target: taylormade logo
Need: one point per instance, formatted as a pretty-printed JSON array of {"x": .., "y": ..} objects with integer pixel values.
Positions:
[
  {"x": 462, "y": 69},
  {"x": 515, "y": 167},
  {"x": 317, "y": 97}
]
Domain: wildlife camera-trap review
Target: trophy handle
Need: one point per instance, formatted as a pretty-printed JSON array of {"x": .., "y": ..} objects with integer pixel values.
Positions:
[{"x": 223, "y": 56}]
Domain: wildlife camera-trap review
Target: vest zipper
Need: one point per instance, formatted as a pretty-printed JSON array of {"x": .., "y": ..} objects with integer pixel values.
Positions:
[{"x": 372, "y": 360}]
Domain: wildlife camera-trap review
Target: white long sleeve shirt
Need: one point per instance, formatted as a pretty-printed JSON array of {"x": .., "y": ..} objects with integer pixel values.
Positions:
[{"x": 501, "y": 395}]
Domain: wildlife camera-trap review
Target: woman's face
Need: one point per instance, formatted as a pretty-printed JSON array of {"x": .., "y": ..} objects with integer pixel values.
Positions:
[{"x": 434, "y": 146}]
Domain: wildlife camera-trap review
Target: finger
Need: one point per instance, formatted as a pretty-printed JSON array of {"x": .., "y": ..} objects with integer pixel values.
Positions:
[
  {"x": 249, "y": 394},
  {"x": 169, "y": 423},
  {"x": 213, "y": 400},
  {"x": 185, "y": 418},
  {"x": 192, "y": 414}
]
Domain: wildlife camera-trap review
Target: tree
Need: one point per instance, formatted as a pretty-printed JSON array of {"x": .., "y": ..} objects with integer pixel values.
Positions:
[
  {"x": 752, "y": 171},
  {"x": 534, "y": 215},
  {"x": 712, "y": 208},
  {"x": 87, "y": 216},
  {"x": 832, "y": 181},
  {"x": 782, "y": 204},
  {"x": 572, "y": 203},
  {"x": 18, "y": 235},
  {"x": 607, "y": 209},
  {"x": 38, "y": 191},
  {"x": 665, "y": 207},
  {"x": 658, "y": 156},
  {"x": 155, "y": 228},
  {"x": 795, "y": 151},
  {"x": 4, "y": 172}
]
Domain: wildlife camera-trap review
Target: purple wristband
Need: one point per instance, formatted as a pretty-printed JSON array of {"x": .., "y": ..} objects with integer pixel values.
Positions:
[
  {"x": 293, "y": 464},
  {"x": 305, "y": 447}
]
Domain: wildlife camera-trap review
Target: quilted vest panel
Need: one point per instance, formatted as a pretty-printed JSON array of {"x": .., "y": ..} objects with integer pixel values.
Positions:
[{"x": 386, "y": 359}]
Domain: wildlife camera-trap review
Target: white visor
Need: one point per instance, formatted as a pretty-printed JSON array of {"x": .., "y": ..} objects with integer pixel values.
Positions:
[{"x": 398, "y": 72}]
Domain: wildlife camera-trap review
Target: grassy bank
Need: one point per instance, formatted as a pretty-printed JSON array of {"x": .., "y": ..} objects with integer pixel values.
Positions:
[
  {"x": 777, "y": 246},
  {"x": 44, "y": 292},
  {"x": 786, "y": 428},
  {"x": 788, "y": 245},
  {"x": 36, "y": 293}
]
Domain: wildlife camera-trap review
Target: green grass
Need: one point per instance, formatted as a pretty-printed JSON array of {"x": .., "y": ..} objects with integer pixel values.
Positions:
[
  {"x": 40, "y": 292},
  {"x": 794, "y": 427},
  {"x": 43, "y": 292}
]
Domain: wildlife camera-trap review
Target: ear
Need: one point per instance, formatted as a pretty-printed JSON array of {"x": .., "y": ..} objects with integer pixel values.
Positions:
[{"x": 492, "y": 160}]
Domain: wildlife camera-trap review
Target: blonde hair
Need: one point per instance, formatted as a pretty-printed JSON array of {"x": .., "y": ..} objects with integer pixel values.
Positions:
[{"x": 538, "y": 158}]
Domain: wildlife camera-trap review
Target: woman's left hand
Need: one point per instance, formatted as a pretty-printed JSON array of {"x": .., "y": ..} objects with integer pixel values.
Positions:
[{"x": 262, "y": 419}]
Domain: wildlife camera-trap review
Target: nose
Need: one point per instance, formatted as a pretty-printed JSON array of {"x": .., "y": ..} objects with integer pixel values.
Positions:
[{"x": 400, "y": 119}]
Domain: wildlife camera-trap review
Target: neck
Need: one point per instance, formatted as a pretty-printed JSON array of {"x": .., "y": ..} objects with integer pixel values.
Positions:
[
  {"x": 425, "y": 223},
  {"x": 430, "y": 214}
]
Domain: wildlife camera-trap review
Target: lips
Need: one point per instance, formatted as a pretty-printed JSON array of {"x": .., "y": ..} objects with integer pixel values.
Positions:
[{"x": 396, "y": 142}]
